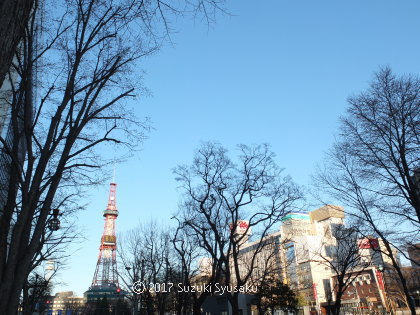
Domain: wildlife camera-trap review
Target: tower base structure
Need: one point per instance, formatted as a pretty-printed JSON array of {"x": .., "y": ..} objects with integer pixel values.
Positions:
[
  {"x": 111, "y": 292},
  {"x": 99, "y": 297}
]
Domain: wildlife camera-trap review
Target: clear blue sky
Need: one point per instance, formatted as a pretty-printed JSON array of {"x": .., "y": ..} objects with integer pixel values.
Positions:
[{"x": 275, "y": 71}]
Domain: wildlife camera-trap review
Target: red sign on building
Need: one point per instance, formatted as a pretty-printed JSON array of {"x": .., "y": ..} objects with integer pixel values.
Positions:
[
  {"x": 380, "y": 280},
  {"x": 369, "y": 243},
  {"x": 314, "y": 289},
  {"x": 242, "y": 226}
]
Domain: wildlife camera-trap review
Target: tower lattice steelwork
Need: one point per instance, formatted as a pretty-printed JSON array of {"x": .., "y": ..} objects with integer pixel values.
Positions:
[{"x": 106, "y": 268}]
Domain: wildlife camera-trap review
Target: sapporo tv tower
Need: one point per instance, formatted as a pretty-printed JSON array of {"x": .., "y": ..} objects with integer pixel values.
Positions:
[{"x": 105, "y": 279}]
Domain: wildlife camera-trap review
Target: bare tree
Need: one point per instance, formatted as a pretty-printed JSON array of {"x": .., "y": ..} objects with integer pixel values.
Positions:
[
  {"x": 71, "y": 78},
  {"x": 382, "y": 134},
  {"x": 53, "y": 248},
  {"x": 53, "y": 148},
  {"x": 219, "y": 195},
  {"x": 131, "y": 264},
  {"x": 35, "y": 291},
  {"x": 372, "y": 167},
  {"x": 188, "y": 258},
  {"x": 15, "y": 16},
  {"x": 395, "y": 290},
  {"x": 147, "y": 267},
  {"x": 342, "y": 255},
  {"x": 345, "y": 186}
]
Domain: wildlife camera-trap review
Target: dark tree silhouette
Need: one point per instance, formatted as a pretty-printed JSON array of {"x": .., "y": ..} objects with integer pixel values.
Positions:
[
  {"x": 373, "y": 167},
  {"x": 274, "y": 294},
  {"x": 71, "y": 79},
  {"x": 188, "y": 254},
  {"x": 219, "y": 194},
  {"x": 146, "y": 256}
]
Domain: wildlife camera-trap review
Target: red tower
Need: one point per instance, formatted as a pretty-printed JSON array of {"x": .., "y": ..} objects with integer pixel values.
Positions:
[{"x": 106, "y": 268}]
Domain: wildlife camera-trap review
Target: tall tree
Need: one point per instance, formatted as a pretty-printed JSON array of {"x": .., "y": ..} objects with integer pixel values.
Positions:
[
  {"x": 224, "y": 200},
  {"x": 148, "y": 259},
  {"x": 80, "y": 109},
  {"x": 381, "y": 132},
  {"x": 82, "y": 68},
  {"x": 188, "y": 254},
  {"x": 372, "y": 168}
]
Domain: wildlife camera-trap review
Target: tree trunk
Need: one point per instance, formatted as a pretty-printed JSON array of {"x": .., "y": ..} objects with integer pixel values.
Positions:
[
  {"x": 11, "y": 302},
  {"x": 25, "y": 301},
  {"x": 14, "y": 16},
  {"x": 337, "y": 304}
]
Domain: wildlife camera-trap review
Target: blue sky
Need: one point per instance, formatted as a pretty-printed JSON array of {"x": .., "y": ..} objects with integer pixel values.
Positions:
[{"x": 273, "y": 71}]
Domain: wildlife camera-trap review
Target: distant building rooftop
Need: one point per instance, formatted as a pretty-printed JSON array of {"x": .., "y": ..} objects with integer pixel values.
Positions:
[{"x": 327, "y": 211}]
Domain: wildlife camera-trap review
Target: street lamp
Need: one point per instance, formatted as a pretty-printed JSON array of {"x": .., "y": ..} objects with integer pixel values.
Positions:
[{"x": 54, "y": 222}]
